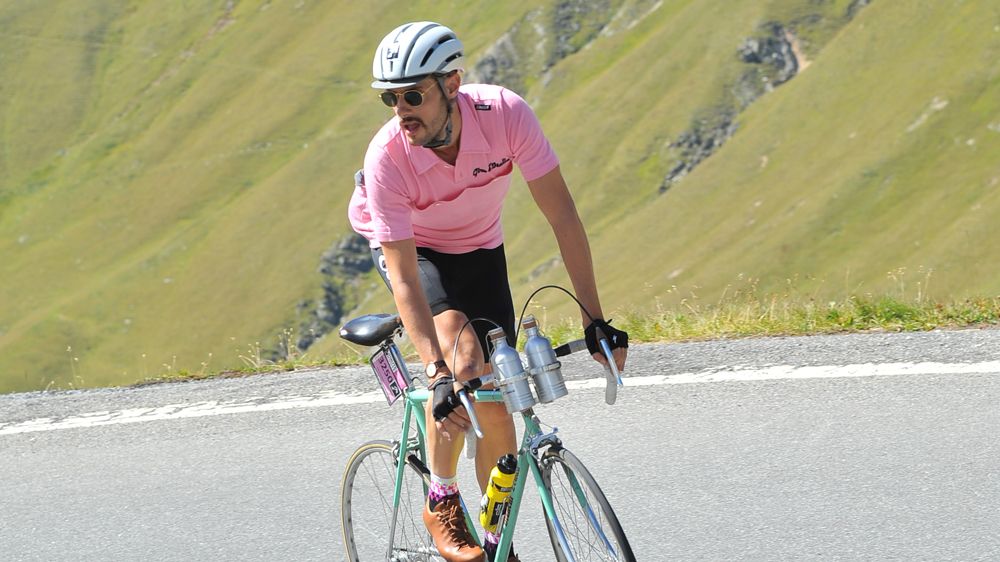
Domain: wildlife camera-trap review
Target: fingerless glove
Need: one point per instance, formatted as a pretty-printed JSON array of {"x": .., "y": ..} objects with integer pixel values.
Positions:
[
  {"x": 444, "y": 400},
  {"x": 616, "y": 338}
]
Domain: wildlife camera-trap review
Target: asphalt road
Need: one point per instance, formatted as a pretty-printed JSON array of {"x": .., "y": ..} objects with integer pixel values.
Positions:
[{"x": 860, "y": 447}]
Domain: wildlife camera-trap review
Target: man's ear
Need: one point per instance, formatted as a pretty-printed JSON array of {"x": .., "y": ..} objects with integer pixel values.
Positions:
[{"x": 452, "y": 83}]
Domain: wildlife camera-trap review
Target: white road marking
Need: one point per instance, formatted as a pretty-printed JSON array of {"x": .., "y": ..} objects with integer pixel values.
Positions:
[
  {"x": 742, "y": 374},
  {"x": 335, "y": 398}
]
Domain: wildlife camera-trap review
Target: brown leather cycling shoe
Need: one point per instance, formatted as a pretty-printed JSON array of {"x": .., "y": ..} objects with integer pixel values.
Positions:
[{"x": 446, "y": 525}]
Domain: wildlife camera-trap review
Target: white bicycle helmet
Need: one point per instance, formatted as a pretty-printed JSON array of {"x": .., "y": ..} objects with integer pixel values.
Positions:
[{"x": 414, "y": 50}]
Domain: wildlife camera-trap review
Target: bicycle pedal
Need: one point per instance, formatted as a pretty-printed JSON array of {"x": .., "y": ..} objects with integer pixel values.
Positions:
[{"x": 416, "y": 463}]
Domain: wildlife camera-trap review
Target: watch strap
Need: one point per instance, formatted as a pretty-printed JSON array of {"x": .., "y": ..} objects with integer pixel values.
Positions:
[{"x": 434, "y": 368}]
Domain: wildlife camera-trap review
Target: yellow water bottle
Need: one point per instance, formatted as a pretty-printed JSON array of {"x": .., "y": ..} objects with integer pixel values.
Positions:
[{"x": 495, "y": 500}]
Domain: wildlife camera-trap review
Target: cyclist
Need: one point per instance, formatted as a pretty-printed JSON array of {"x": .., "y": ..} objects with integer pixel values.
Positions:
[{"x": 429, "y": 201}]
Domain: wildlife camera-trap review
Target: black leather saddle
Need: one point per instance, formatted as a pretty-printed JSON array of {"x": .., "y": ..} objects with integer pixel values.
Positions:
[{"x": 370, "y": 329}]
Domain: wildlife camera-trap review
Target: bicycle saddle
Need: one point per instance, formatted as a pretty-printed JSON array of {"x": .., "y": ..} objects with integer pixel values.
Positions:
[{"x": 370, "y": 329}]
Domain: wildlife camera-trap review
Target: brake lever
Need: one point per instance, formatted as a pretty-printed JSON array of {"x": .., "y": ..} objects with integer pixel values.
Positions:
[
  {"x": 613, "y": 375},
  {"x": 463, "y": 397}
]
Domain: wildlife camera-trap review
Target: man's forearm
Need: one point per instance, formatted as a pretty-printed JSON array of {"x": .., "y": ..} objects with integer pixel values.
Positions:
[
  {"x": 575, "y": 251},
  {"x": 554, "y": 200},
  {"x": 416, "y": 315}
]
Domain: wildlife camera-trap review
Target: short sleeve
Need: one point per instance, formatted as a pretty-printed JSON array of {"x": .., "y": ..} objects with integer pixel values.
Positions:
[
  {"x": 532, "y": 152},
  {"x": 388, "y": 203}
]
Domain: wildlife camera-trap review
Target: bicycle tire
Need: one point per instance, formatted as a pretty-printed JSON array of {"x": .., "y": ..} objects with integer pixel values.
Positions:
[
  {"x": 591, "y": 534},
  {"x": 366, "y": 508}
]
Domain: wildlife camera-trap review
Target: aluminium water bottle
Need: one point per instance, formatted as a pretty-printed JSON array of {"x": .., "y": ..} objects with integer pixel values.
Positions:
[
  {"x": 510, "y": 373},
  {"x": 543, "y": 366},
  {"x": 495, "y": 500}
]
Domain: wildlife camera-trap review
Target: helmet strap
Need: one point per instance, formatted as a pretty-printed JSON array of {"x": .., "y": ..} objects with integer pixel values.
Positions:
[{"x": 446, "y": 140}]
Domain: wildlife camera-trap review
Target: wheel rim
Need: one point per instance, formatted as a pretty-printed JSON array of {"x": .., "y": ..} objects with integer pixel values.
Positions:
[
  {"x": 367, "y": 510},
  {"x": 585, "y": 517}
]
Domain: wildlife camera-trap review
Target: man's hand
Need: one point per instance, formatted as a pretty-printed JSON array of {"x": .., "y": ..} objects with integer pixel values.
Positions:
[
  {"x": 617, "y": 341},
  {"x": 449, "y": 414}
]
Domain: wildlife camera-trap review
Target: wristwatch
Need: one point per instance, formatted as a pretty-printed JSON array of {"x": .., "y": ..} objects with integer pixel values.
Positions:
[{"x": 432, "y": 370}]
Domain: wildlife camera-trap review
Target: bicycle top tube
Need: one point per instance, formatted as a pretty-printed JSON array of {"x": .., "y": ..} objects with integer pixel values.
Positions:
[{"x": 421, "y": 395}]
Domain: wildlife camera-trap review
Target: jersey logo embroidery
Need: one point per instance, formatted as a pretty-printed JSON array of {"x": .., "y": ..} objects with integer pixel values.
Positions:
[
  {"x": 492, "y": 166},
  {"x": 483, "y": 107}
]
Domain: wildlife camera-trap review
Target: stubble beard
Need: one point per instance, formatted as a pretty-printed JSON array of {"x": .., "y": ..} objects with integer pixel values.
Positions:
[{"x": 430, "y": 132}]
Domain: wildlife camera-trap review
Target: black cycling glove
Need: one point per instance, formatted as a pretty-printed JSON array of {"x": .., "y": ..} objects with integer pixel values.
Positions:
[
  {"x": 444, "y": 399},
  {"x": 616, "y": 338}
]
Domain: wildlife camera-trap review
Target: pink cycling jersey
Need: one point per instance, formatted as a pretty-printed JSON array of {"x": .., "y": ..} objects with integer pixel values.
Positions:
[{"x": 409, "y": 192}]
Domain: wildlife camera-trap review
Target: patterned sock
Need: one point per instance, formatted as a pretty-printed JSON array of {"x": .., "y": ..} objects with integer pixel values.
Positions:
[
  {"x": 441, "y": 488},
  {"x": 491, "y": 542}
]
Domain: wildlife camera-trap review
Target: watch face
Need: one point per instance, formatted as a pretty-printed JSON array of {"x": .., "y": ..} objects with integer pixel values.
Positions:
[{"x": 432, "y": 369}]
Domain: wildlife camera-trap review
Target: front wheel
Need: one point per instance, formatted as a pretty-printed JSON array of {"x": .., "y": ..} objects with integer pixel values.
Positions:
[
  {"x": 584, "y": 525},
  {"x": 367, "y": 509}
]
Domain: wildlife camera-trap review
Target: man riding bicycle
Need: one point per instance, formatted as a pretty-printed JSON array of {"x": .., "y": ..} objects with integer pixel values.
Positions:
[{"x": 429, "y": 201}]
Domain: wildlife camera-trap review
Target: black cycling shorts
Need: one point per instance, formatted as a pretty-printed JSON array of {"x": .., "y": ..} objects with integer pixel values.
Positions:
[{"x": 474, "y": 283}]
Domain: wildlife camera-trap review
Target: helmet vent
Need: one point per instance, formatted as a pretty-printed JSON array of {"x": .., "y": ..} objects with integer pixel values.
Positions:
[
  {"x": 400, "y": 31},
  {"x": 427, "y": 56}
]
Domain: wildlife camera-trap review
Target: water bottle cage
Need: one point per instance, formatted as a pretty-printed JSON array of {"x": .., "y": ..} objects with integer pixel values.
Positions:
[
  {"x": 511, "y": 380},
  {"x": 545, "y": 368}
]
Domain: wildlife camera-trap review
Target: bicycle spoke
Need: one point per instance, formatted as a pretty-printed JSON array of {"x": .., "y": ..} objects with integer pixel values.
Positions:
[
  {"x": 586, "y": 530},
  {"x": 368, "y": 509},
  {"x": 583, "y": 513},
  {"x": 586, "y": 503}
]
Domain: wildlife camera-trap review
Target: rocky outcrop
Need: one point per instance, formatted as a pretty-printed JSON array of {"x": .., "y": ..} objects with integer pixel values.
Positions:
[
  {"x": 771, "y": 61},
  {"x": 706, "y": 135},
  {"x": 499, "y": 65},
  {"x": 771, "y": 58},
  {"x": 350, "y": 255},
  {"x": 856, "y": 6},
  {"x": 342, "y": 266},
  {"x": 542, "y": 38}
]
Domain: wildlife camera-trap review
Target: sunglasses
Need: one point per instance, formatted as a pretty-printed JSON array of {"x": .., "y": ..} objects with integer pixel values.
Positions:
[{"x": 413, "y": 98}]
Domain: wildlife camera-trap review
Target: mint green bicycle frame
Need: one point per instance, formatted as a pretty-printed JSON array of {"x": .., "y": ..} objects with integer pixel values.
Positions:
[{"x": 532, "y": 441}]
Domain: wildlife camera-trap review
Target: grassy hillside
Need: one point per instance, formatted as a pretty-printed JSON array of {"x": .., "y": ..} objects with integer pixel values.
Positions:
[
  {"x": 880, "y": 157},
  {"x": 171, "y": 173}
]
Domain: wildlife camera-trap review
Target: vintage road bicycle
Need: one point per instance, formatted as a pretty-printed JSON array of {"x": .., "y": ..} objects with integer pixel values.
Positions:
[{"x": 385, "y": 484}]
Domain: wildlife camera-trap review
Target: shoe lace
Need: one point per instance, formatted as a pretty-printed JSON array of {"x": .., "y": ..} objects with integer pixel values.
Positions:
[{"x": 454, "y": 521}]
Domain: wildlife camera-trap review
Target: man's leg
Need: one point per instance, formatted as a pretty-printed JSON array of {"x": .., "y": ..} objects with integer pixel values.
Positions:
[
  {"x": 498, "y": 440},
  {"x": 442, "y": 452},
  {"x": 497, "y": 424},
  {"x": 444, "y": 516}
]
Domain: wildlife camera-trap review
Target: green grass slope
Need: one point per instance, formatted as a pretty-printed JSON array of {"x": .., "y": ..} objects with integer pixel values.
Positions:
[
  {"x": 881, "y": 156},
  {"x": 171, "y": 173}
]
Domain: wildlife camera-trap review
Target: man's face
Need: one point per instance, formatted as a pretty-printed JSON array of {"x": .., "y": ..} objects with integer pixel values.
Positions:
[{"x": 425, "y": 122}]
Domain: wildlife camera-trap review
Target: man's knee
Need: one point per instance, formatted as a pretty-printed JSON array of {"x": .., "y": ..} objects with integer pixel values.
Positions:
[
  {"x": 493, "y": 413},
  {"x": 468, "y": 370},
  {"x": 468, "y": 364}
]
